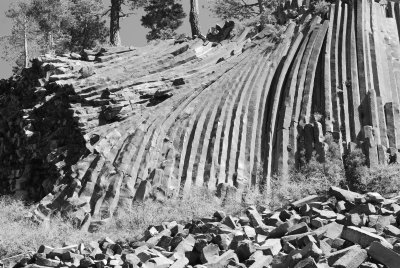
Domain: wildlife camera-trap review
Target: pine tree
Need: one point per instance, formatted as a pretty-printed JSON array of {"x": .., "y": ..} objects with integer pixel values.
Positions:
[
  {"x": 194, "y": 18},
  {"x": 70, "y": 25},
  {"x": 26, "y": 40},
  {"x": 241, "y": 10},
  {"x": 42, "y": 26},
  {"x": 50, "y": 15},
  {"x": 116, "y": 13},
  {"x": 162, "y": 17},
  {"x": 86, "y": 26}
]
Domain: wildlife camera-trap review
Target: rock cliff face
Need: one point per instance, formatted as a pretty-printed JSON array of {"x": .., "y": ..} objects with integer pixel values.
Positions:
[{"x": 94, "y": 131}]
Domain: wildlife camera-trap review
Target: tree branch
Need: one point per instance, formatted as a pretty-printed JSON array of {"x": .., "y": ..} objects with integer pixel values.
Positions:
[
  {"x": 124, "y": 15},
  {"x": 249, "y": 5},
  {"x": 107, "y": 11}
]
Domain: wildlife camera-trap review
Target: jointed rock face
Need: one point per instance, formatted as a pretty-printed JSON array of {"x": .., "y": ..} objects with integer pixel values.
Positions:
[{"x": 94, "y": 131}]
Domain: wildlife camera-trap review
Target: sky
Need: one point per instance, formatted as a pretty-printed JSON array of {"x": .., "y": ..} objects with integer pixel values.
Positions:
[{"x": 132, "y": 33}]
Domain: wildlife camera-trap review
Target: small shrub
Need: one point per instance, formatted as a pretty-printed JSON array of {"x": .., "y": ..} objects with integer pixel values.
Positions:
[
  {"x": 317, "y": 117},
  {"x": 357, "y": 172},
  {"x": 321, "y": 8},
  {"x": 312, "y": 177},
  {"x": 384, "y": 179}
]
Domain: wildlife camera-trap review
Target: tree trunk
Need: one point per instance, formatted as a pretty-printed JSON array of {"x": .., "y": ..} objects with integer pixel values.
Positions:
[
  {"x": 50, "y": 42},
  {"x": 194, "y": 18},
  {"x": 26, "y": 56},
  {"x": 115, "y": 39},
  {"x": 261, "y": 6}
]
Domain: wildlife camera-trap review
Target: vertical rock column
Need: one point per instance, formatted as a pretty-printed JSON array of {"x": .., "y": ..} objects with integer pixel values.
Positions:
[
  {"x": 327, "y": 73},
  {"x": 361, "y": 60},
  {"x": 379, "y": 72},
  {"x": 352, "y": 76},
  {"x": 335, "y": 68},
  {"x": 370, "y": 146},
  {"x": 342, "y": 88}
]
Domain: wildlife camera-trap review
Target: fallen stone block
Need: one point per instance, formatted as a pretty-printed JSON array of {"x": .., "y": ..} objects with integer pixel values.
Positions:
[
  {"x": 343, "y": 206},
  {"x": 260, "y": 238},
  {"x": 374, "y": 198},
  {"x": 332, "y": 230},
  {"x": 158, "y": 262},
  {"x": 325, "y": 247},
  {"x": 243, "y": 221},
  {"x": 164, "y": 242},
  {"x": 60, "y": 251},
  {"x": 325, "y": 214},
  {"x": 338, "y": 243},
  {"x": 40, "y": 259},
  {"x": 254, "y": 217},
  {"x": 368, "y": 265},
  {"x": 294, "y": 238},
  {"x": 271, "y": 247},
  {"x": 383, "y": 221},
  {"x": 130, "y": 259},
  {"x": 186, "y": 245},
  {"x": 298, "y": 229},
  {"x": 352, "y": 259},
  {"x": 311, "y": 250},
  {"x": 362, "y": 237},
  {"x": 244, "y": 250},
  {"x": 342, "y": 194},
  {"x": 273, "y": 220},
  {"x": 318, "y": 222},
  {"x": 367, "y": 209},
  {"x": 45, "y": 249},
  {"x": 250, "y": 232},
  {"x": 285, "y": 215},
  {"x": 288, "y": 247},
  {"x": 210, "y": 253},
  {"x": 312, "y": 198},
  {"x": 223, "y": 260},
  {"x": 334, "y": 256},
  {"x": 384, "y": 255},
  {"x": 180, "y": 263},
  {"x": 281, "y": 230},
  {"x": 396, "y": 248},
  {"x": 354, "y": 220},
  {"x": 229, "y": 221},
  {"x": 305, "y": 240},
  {"x": 308, "y": 262},
  {"x": 86, "y": 262},
  {"x": 223, "y": 241},
  {"x": 261, "y": 262}
]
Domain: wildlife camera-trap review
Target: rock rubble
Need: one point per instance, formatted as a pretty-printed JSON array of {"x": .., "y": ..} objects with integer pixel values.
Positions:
[{"x": 343, "y": 230}]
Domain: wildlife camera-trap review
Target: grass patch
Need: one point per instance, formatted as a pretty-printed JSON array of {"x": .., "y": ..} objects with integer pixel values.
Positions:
[{"x": 19, "y": 234}]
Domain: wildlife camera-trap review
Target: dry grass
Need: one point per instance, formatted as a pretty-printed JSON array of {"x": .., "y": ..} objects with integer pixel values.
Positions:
[
  {"x": 19, "y": 234},
  {"x": 130, "y": 224}
]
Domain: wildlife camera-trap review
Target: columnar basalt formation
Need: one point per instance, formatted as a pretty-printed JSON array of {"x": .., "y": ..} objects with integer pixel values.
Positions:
[{"x": 101, "y": 129}]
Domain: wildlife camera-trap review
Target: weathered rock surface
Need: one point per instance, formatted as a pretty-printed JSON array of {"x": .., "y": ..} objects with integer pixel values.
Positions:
[
  {"x": 334, "y": 244},
  {"x": 88, "y": 133}
]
